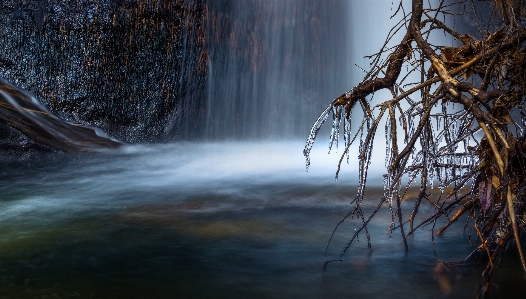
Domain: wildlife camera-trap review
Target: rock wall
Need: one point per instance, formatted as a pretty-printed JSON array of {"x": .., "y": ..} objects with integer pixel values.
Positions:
[{"x": 135, "y": 69}]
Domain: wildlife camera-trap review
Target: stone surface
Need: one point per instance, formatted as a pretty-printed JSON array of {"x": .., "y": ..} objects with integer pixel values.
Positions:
[{"x": 135, "y": 69}]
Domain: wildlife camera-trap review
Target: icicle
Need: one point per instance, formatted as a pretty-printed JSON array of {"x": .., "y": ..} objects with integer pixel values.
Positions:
[
  {"x": 449, "y": 169},
  {"x": 362, "y": 171},
  {"x": 386, "y": 184},
  {"x": 347, "y": 134},
  {"x": 361, "y": 156},
  {"x": 387, "y": 143},
  {"x": 335, "y": 131},
  {"x": 313, "y": 133}
]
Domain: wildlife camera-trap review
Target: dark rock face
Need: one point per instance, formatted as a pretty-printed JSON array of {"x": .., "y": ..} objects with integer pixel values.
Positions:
[{"x": 135, "y": 69}]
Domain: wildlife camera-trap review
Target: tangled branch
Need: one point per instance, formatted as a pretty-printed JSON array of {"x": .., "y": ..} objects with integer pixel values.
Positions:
[{"x": 477, "y": 153}]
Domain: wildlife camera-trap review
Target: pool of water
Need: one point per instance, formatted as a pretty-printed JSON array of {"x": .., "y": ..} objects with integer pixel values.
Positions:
[{"x": 214, "y": 220}]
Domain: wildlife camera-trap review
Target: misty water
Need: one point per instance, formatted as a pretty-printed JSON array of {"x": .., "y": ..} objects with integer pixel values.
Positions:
[
  {"x": 234, "y": 215},
  {"x": 212, "y": 220}
]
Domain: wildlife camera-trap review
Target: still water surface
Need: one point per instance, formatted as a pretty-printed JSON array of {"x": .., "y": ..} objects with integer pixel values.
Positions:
[{"x": 212, "y": 220}]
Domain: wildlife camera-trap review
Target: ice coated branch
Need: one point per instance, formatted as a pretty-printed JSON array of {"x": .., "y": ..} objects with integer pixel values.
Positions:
[{"x": 485, "y": 177}]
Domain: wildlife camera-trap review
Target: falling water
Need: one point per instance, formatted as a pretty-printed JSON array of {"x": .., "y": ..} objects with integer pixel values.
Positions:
[
  {"x": 23, "y": 112},
  {"x": 274, "y": 65}
]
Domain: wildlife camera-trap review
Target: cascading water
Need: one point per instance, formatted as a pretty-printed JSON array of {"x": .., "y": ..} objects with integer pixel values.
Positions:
[
  {"x": 273, "y": 66},
  {"x": 23, "y": 112}
]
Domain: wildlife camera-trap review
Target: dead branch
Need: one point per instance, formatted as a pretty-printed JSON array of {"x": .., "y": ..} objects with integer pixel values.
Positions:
[{"x": 486, "y": 76}]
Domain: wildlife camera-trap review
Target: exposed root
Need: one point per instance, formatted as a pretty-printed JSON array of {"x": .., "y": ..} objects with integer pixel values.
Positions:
[{"x": 487, "y": 175}]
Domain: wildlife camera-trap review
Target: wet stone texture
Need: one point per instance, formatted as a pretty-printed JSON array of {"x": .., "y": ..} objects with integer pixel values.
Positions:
[{"x": 135, "y": 69}]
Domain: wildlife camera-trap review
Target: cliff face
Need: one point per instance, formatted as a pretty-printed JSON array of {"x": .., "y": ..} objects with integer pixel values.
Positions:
[{"x": 135, "y": 69}]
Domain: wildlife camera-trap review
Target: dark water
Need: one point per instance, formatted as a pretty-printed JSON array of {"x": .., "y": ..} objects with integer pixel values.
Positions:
[{"x": 205, "y": 220}]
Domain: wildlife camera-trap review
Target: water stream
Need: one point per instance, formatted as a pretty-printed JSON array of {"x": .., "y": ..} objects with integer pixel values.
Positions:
[
  {"x": 210, "y": 220},
  {"x": 172, "y": 221}
]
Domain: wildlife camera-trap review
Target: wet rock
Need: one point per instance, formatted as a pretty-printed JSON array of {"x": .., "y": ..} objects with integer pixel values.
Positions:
[{"x": 131, "y": 68}]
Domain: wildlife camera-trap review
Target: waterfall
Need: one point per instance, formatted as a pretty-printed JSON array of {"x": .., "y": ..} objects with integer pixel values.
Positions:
[
  {"x": 274, "y": 65},
  {"x": 271, "y": 66}
]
